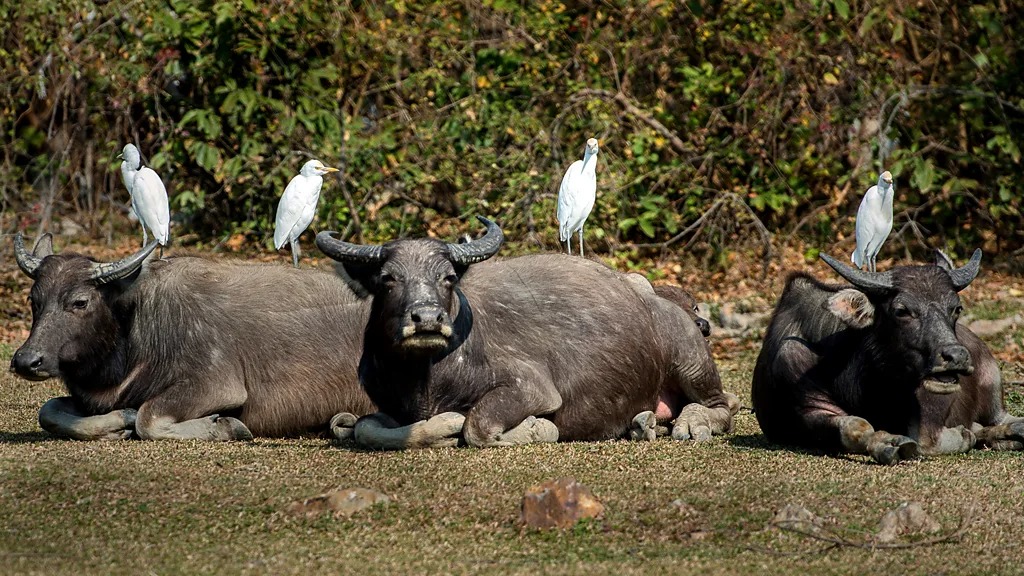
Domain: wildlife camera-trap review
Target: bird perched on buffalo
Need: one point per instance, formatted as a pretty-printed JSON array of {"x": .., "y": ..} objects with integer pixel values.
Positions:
[
  {"x": 149, "y": 197},
  {"x": 297, "y": 207},
  {"x": 577, "y": 194},
  {"x": 874, "y": 221}
]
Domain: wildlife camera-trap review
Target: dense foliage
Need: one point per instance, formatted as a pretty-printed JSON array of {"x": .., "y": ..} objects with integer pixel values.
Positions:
[{"x": 783, "y": 112}]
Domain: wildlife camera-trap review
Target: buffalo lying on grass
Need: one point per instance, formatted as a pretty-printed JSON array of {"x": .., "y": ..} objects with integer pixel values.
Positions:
[
  {"x": 536, "y": 348},
  {"x": 880, "y": 367},
  {"x": 680, "y": 297},
  {"x": 187, "y": 348}
]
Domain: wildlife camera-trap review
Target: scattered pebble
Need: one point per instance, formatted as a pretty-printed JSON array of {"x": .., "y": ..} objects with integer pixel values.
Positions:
[
  {"x": 340, "y": 502},
  {"x": 559, "y": 504}
]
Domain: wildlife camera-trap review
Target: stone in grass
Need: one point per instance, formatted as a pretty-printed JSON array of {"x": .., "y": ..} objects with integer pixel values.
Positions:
[
  {"x": 796, "y": 517},
  {"x": 559, "y": 504},
  {"x": 339, "y": 502},
  {"x": 907, "y": 518}
]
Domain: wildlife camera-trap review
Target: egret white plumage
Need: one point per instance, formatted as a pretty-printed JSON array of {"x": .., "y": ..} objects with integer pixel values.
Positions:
[
  {"x": 874, "y": 221},
  {"x": 297, "y": 207},
  {"x": 577, "y": 194},
  {"x": 149, "y": 197}
]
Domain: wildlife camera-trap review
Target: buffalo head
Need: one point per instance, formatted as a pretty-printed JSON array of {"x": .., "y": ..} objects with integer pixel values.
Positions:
[
  {"x": 72, "y": 321},
  {"x": 913, "y": 311},
  {"x": 412, "y": 282}
]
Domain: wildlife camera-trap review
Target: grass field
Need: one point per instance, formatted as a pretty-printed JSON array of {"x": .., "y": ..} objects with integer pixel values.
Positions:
[{"x": 160, "y": 507}]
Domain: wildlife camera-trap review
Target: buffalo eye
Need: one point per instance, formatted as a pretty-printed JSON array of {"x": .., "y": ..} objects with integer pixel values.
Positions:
[
  {"x": 388, "y": 279},
  {"x": 79, "y": 304},
  {"x": 450, "y": 279},
  {"x": 901, "y": 311}
]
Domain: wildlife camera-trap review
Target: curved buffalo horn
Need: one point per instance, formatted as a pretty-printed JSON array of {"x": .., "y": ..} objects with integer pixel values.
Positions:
[
  {"x": 942, "y": 260},
  {"x": 869, "y": 281},
  {"x": 964, "y": 275},
  {"x": 27, "y": 262},
  {"x": 347, "y": 252},
  {"x": 480, "y": 249},
  {"x": 103, "y": 272}
]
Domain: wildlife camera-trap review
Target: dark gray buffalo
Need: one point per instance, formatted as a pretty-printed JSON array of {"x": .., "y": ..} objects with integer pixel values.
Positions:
[
  {"x": 682, "y": 298},
  {"x": 880, "y": 366},
  {"x": 536, "y": 348},
  {"x": 187, "y": 348}
]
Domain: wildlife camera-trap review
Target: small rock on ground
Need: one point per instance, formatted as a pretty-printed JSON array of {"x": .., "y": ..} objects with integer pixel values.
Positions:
[
  {"x": 559, "y": 504},
  {"x": 907, "y": 518},
  {"x": 339, "y": 502}
]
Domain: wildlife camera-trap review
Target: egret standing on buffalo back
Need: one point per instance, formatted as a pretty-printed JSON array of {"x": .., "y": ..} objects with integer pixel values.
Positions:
[
  {"x": 298, "y": 206},
  {"x": 149, "y": 197},
  {"x": 576, "y": 195},
  {"x": 874, "y": 221}
]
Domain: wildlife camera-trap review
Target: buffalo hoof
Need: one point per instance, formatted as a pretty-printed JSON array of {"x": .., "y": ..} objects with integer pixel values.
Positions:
[
  {"x": 530, "y": 431},
  {"x": 892, "y": 449},
  {"x": 693, "y": 424},
  {"x": 342, "y": 425},
  {"x": 644, "y": 427},
  {"x": 129, "y": 415},
  {"x": 232, "y": 428}
]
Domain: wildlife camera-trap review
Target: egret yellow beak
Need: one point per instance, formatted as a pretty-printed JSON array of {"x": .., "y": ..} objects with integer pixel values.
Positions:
[{"x": 329, "y": 169}]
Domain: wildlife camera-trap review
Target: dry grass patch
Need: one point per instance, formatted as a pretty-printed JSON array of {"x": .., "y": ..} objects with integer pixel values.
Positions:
[{"x": 186, "y": 507}]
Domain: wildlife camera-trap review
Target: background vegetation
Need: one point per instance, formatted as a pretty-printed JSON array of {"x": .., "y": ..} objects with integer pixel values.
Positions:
[{"x": 747, "y": 112}]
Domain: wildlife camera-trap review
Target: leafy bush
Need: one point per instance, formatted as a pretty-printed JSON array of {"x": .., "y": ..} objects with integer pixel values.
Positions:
[{"x": 436, "y": 110}]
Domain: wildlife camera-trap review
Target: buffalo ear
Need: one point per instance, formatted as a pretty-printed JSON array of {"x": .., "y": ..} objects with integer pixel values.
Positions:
[
  {"x": 44, "y": 246},
  {"x": 852, "y": 307},
  {"x": 360, "y": 279}
]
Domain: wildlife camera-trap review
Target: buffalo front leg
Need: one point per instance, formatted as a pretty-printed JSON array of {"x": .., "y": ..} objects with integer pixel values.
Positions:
[
  {"x": 381, "y": 432},
  {"x": 60, "y": 417},
  {"x": 1007, "y": 435},
  {"x": 507, "y": 415},
  {"x": 189, "y": 411},
  {"x": 698, "y": 422},
  {"x": 859, "y": 437}
]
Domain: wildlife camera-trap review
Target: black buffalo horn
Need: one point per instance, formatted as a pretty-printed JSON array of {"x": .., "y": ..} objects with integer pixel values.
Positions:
[
  {"x": 103, "y": 272},
  {"x": 480, "y": 249},
  {"x": 347, "y": 252}
]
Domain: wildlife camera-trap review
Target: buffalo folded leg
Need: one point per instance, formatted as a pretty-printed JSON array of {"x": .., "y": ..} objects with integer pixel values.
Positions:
[
  {"x": 342, "y": 425},
  {"x": 699, "y": 422},
  {"x": 188, "y": 412},
  {"x": 381, "y": 432},
  {"x": 1008, "y": 435},
  {"x": 949, "y": 441},
  {"x": 60, "y": 417},
  {"x": 507, "y": 407},
  {"x": 859, "y": 437},
  {"x": 645, "y": 427}
]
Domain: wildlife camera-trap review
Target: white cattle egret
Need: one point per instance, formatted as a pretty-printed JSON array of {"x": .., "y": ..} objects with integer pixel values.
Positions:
[
  {"x": 149, "y": 197},
  {"x": 874, "y": 221},
  {"x": 576, "y": 195},
  {"x": 298, "y": 206}
]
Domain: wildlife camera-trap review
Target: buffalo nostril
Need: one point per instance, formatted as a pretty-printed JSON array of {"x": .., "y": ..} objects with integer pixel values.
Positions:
[
  {"x": 440, "y": 317},
  {"x": 415, "y": 318},
  {"x": 36, "y": 363}
]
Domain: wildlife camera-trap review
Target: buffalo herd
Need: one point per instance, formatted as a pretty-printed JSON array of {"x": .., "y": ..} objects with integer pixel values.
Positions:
[{"x": 420, "y": 343}]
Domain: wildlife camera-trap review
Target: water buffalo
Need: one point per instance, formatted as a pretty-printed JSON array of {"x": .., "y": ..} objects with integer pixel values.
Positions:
[
  {"x": 536, "y": 348},
  {"x": 188, "y": 348},
  {"x": 880, "y": 366},
  {"x": 687, "y": 302}
]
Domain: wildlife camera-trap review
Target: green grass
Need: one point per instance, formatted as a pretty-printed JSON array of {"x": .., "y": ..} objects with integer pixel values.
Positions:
[
  {"x": 185, "y": 507},
  {"x": 995, "y": 309}
]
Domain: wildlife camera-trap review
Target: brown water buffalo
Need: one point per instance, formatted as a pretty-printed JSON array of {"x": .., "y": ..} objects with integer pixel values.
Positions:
[
  {"x": 880, "y": 366},
  {"x": 188, "y": 348},
  {"x": 537, "y": 348}
]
